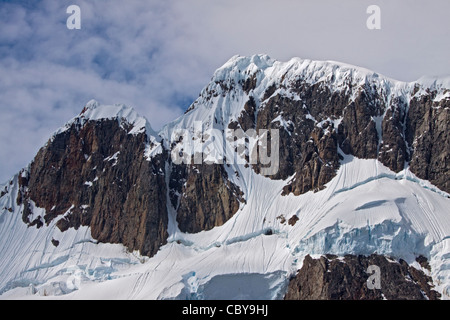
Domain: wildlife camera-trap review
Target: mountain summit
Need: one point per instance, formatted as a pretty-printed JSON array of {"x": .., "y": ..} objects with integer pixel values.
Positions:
[{"x": 359, "y": 177}]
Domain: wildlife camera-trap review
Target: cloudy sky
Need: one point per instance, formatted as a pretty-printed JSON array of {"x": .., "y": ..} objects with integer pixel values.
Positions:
[{"x": 157, "y": 55}]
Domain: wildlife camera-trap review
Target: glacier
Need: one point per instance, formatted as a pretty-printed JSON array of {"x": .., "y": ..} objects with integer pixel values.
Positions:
[{"x": 366, "y": 208}]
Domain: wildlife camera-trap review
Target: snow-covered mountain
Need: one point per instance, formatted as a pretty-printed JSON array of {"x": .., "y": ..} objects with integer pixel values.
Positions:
[{"x": 107, "y": 209}]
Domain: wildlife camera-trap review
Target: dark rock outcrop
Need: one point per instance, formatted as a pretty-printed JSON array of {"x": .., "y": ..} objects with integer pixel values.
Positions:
[
  {"x": 96, "y": 175},
  {"x": 305, "y": 150},
  {"x": 361, "y": 121},
  {"x": 309, "y": 136},
  {"x": 358, "y": 134},
  {"x": 392, "y": 150},
  {"x": 331, "y": 278},
  {"x": 428, "y": 136},
  {"x": 207, "y": 197}
]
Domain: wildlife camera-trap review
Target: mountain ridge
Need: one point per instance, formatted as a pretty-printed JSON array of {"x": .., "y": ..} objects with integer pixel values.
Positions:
[{"x": 363, "y": 168}]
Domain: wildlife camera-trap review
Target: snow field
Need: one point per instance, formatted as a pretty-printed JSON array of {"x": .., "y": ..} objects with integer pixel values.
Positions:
[{"x": 364, "y": 209}]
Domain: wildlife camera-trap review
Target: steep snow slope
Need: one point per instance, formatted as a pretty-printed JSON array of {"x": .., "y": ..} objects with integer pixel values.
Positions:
[{"x": 366, "y": 208}]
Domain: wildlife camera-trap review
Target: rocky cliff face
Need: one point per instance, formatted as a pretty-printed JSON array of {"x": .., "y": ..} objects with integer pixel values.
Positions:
[
  {"x": 206, "y": 197},
  {"x": 332, "y": 278},
  {"x": 427, "y": 135},
  {"x": 323, "y": 108},
  {"x": 95, "y": 174}
]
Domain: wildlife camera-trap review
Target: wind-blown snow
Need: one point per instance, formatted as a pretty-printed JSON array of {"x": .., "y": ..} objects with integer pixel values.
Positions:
[
  {"x": 127, "y": 117},
  {"x": 94, "y": 111}
]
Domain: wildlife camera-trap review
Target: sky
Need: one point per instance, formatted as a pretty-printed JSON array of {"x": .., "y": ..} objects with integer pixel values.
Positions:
[{"x": 156, "y": 56}]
